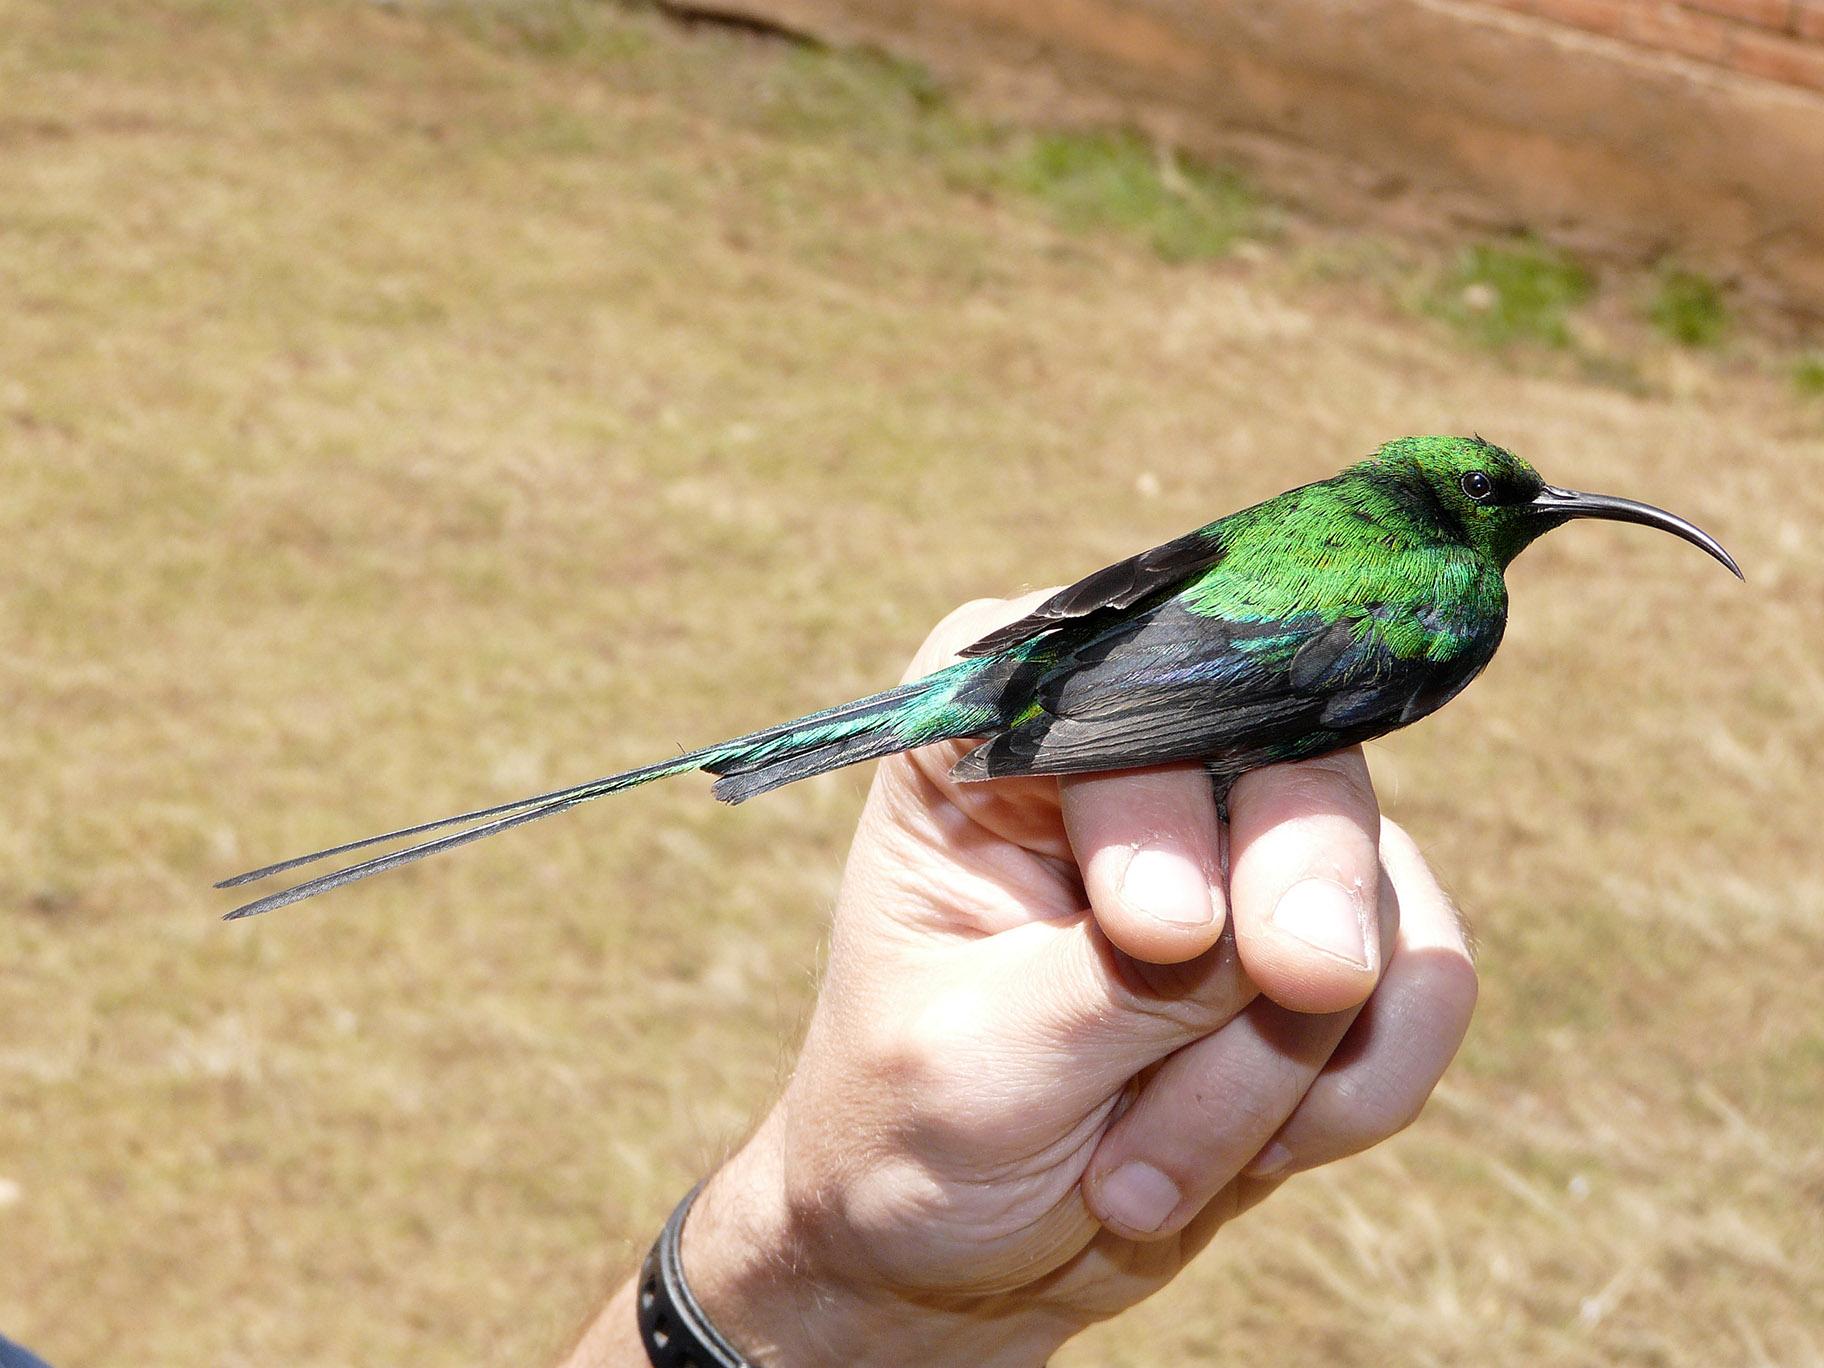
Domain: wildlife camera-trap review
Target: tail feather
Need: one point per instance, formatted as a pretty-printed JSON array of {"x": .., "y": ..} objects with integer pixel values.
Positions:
[
  {"x": 739, "y": 782},
  {"x": 595, "y": 788},
  {"x": 843, "y": 735},
  {"x": 523, "y": 811},
  {"x": 381, "y": 863}
]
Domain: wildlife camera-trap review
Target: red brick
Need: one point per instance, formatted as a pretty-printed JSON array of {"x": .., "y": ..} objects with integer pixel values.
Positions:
[
  {"x": 1769, "y": 14},
  {"x": 1656, "y": 24},
  {"x": 1668, "y": 28},
  {"x": 1593, "y": 16},
  {"x": 1787, "y": 60}
]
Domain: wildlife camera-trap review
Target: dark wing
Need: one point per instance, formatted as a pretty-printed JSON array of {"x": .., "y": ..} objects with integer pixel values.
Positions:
[
  {"x": 1120, "y": 585},
  {"x": 1172, "y": 684}
]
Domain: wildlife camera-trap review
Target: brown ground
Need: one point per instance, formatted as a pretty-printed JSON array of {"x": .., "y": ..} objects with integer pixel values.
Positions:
[{"x": 401, "y": 411}]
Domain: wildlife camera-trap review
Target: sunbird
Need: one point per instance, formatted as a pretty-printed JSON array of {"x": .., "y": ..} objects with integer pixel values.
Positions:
[{"x": 1322, "y": 617}]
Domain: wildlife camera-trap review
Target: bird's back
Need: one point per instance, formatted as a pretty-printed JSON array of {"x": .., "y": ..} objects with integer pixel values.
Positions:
[
  {"x": 1327, "y": 615},
  {"x": 1368, "y": 542}
]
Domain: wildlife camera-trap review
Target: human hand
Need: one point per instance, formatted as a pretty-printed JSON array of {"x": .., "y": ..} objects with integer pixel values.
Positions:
[{"x": 1013, "y": 1116}]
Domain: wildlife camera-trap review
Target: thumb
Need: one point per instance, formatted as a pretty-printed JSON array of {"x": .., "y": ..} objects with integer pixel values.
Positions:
[{"x": 1060, "y": 991}]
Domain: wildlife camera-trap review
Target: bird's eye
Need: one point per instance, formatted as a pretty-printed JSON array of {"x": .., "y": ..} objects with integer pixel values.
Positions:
[{"x": 1477, "y": 485}]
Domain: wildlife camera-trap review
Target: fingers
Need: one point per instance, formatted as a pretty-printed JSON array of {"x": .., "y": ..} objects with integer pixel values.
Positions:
[
  {"x": 1061, "y": 1007},
  {"x": 1207, "y": 1112},
  {"x": 1343, "y": 1081},
  {"x": 1404, "y": 1038},
  {"x": 1148, "y": 844},
  {"x": 1303, "y": 877}
]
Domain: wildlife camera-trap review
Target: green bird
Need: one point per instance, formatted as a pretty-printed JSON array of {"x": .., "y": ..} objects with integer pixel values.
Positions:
[{"x": 1320, "y": 618}]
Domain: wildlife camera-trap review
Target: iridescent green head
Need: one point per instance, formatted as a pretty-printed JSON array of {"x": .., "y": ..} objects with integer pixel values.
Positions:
[{"x": 1500, "y": 503}]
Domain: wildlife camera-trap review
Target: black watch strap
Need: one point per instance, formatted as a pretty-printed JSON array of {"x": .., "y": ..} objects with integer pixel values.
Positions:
[{"x": 673, "y": 1327}]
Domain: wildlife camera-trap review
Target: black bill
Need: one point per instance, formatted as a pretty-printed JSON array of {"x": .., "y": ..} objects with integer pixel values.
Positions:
[{"x": 1568, "y": 503}]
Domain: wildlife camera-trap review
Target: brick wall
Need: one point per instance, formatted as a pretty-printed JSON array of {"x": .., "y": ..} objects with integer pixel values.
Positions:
[
  {"x": 1777, "y": 40},
  {"x": 1640, "y": 129}
]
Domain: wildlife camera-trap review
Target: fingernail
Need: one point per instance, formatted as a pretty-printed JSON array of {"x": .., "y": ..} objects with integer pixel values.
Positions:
[
  {"x": 1168, "y": 888},
  {"x": 1269, "y": 1161},
  {"x": 1138, "y": 1196},
  {"x": 1327, "y": 917}
]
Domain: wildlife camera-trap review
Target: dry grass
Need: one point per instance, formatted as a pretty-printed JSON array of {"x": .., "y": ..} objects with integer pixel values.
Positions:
[{"x": 401, "y": 409}]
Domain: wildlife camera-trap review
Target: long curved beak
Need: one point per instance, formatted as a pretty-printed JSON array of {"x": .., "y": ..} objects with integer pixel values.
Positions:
[{"x": 1568, "y": 503}]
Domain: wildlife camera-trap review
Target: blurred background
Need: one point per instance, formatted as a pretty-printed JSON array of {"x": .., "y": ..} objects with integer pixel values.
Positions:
[{"x": 408, "y": 406}]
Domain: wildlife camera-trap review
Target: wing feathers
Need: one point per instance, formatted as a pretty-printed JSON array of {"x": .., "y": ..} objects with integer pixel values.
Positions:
[
  {"x": 1120, "y": 585},
  {"x": 1174, "y": 685},
  {"x": 1313, "y": 661}
]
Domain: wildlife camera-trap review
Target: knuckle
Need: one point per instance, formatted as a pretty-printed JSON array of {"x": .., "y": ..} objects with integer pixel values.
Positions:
[
  {"x": 1294, "y": 802},
  {"x": 1336, "y": 780},
  {"x": 1184, "y": 1000},
  {"x": 1256, "y": 1110},
  {"x": 1375, "y": 1114},
  {"x": 964, "y": 623},
  {"x": 965, "y": 616},
  {"x": 1398, "y": 842},
  {"x": 955, "y": 630},
  {"x": 937, "y": 1049},
  {"x": 1176, "y": 1016}
]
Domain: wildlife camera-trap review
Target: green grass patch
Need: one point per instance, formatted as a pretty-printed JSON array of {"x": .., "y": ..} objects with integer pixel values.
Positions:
[
  {"x": 1099, "y": 181},
  {"x": 563, "y": 30},
  {"x": 1808, "y": 375},
  {"x": 1689, "y": 309},
  {"x": 1505, "y": 293},
  {"x": 1118, "y": 181},
  {"x": 862, "y": 98}
]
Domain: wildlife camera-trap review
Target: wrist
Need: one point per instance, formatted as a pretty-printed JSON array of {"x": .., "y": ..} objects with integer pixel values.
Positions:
[{"x": 760, "y": 1275}]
